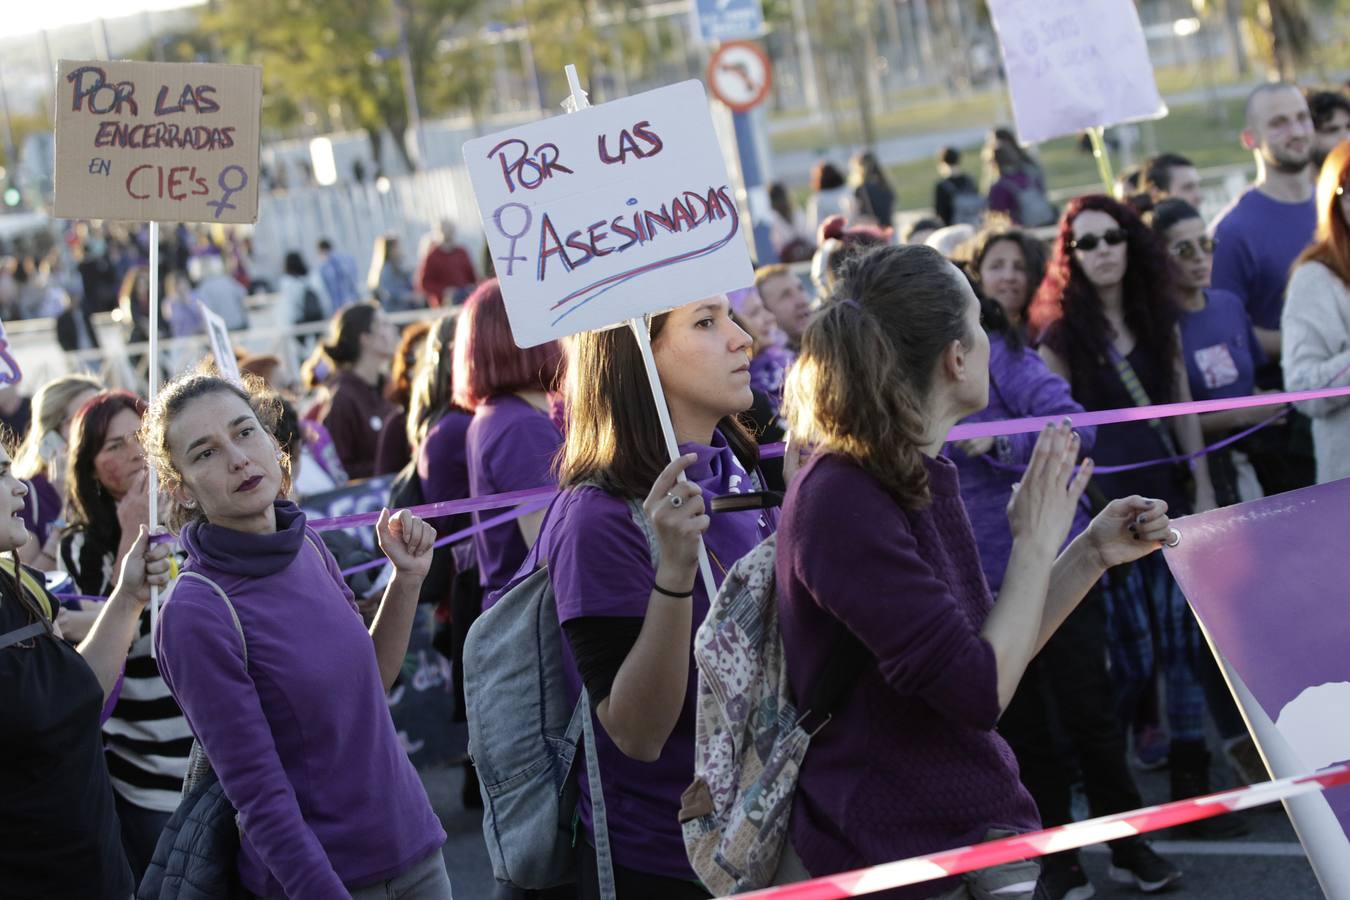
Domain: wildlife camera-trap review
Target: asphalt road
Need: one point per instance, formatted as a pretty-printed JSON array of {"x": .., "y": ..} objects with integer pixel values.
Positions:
[{"x": 1268, "y": 864}]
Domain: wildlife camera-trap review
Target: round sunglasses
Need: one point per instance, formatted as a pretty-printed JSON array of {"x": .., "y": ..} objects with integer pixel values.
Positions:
[
  {"x": 1190, "y": 250},
  {"x": 1089, "y": 242}
]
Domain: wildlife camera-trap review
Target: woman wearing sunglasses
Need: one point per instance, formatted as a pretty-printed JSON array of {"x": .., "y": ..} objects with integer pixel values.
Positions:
[
  {"x": 1106, "y": 316},
  {"x": 1217, "y": 344}
]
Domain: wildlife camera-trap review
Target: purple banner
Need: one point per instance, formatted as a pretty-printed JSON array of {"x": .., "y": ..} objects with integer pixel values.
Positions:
[{"x": 1268, "y": 579}]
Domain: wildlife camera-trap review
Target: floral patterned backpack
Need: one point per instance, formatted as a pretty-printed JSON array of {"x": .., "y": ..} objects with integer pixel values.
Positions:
[{"x": 750, "y": 739}]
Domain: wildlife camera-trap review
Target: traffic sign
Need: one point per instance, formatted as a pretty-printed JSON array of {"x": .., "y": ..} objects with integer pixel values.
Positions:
[
  {"x": 727, "y": 20},
  {"x": 739, "y": 74}
]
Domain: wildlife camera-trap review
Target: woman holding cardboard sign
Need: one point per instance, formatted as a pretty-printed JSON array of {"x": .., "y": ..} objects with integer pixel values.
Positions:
[{"x": 629, "y": 624}]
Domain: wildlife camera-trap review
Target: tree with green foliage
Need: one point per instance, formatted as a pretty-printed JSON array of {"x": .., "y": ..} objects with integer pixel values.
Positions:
[{"x": 321, "y": 55}]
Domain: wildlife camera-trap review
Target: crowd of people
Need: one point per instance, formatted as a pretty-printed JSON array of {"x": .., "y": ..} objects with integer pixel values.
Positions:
[
  {"x": 1026, "y": 635},
  {"x": 105, "y": 268}
]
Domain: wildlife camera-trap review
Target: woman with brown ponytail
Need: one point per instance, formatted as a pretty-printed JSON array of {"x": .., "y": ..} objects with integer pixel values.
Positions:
[
  {"x": 61, "y": 840},
  {"x": 875, "y": 552}
]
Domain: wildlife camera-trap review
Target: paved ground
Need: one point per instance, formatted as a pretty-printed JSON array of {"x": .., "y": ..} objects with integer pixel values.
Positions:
[{"x": 1268, "y": 864}]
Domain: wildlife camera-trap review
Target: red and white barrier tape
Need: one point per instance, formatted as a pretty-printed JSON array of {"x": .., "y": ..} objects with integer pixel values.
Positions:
[{"x": 1052, "y": 840}]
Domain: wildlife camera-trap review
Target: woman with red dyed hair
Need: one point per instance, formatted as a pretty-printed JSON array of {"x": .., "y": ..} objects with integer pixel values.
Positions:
[
  {"x": 512, "y": 439},
  {"x": 1315, "y": 325},
  {"x": 1106, "y": 315}
]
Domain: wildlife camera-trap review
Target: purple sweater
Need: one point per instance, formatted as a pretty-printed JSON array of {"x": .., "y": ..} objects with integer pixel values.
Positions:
[
  {"x": 301, "y": 737},
  {"x": 910, "y": 763},
  {"x": 1020, "y": 384}
]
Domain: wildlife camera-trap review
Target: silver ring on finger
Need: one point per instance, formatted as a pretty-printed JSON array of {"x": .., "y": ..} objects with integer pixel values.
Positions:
[
  {"x": 676, "y": 500},
  {"x": 1173, "y": 537}
]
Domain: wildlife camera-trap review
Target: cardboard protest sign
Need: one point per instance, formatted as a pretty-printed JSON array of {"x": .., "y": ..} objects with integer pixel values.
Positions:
[
  {"x": 609, "y": 213},
  {"x": 173, "y": 142},
  {"x": 221, "y": 348},
  {"x": 1268, "y": 581},
  {"x": 1074, "y": 66}
]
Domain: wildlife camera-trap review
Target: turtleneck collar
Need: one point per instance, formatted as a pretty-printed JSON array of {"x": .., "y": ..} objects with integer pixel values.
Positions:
[{"x": 244, "y": 553}]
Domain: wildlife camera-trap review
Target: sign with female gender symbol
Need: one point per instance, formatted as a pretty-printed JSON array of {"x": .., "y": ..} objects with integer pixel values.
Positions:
[
  {"x": 170, "y": 142},
  {"x": 609, "y": 213}
]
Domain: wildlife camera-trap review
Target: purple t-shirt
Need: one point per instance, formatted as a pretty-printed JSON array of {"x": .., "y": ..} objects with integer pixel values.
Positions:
[
  {"x": 768, "y": 370},
  {"x": 510, "y": 448},
  {"x": 443, "y": 467},
  {"x": 1221, "y": 351},
  {"x": 601, "y": 566},
  {"x": 1258, "y": 240},
  {"x": 41, "y": 507}
]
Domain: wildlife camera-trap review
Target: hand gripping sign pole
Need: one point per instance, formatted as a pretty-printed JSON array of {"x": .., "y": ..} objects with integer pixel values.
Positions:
[{"x": 642, "y": 333}]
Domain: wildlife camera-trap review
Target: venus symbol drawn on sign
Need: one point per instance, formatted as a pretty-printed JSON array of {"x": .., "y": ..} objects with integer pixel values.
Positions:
[
  {"x": 511, "y": 258},
  {"x": 229, "y": 190}
]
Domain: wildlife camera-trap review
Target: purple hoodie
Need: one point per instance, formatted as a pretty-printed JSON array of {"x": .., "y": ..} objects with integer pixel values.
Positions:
[
  {"x": 1020, "y": 385},
  {"x": 301, "y": 737}
]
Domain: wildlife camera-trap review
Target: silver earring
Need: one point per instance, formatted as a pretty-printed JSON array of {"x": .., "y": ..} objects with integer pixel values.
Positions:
[
  {"x": 280, "y": 456},
  {"x": 190, "y": 504}
]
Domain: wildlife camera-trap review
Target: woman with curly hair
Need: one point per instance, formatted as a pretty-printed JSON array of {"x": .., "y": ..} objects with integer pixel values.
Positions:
[
  {"x": 1106, "y": 316},
  {"x": 1007, "y": 265}
]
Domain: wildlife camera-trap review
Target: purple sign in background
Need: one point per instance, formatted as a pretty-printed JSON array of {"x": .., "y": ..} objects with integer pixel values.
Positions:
[{"x": 1270, "y": 580}]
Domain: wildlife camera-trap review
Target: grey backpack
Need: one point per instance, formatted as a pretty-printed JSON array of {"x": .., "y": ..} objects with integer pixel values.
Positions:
[{"x": 523, "y": 735}]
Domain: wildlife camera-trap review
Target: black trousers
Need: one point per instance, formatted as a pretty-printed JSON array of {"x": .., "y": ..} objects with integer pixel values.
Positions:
[
  {"x": 1068, "y": 684},
  {"x": 630, "y": 884}
]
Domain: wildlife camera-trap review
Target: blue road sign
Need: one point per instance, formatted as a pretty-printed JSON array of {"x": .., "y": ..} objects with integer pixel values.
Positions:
[{"x": 728, "y": 20}]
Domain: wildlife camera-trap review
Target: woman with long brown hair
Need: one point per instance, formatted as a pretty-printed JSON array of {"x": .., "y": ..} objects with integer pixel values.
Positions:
[
  {"x": 107, "y": 501},
  {"x": 59, "y": 820},
  {"x": 1315, "y": 325},
  {"x": 876, "y": 557},
  {"x": 1106, "y": 315},
  {"x": 628, "y": 622}
]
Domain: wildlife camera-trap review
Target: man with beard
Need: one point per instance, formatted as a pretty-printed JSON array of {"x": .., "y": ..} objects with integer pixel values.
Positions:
[{"x": 1258, "y": 237}]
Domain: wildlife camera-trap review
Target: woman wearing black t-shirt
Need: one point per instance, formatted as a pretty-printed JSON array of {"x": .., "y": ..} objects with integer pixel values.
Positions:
[{"x": 59, "y": 834}]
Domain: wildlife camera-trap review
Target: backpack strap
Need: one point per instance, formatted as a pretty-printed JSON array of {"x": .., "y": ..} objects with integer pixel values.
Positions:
[
  {"x": 604, "y": 859},
  {"x": 199, "y": 767},
  {"x": 849, "y": 658}
]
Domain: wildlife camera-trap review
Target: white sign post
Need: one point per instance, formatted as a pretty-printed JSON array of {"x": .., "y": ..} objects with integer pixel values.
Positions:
[
  {"x": 609, "y": 215},
  {"x": 1075, "y": 67}
]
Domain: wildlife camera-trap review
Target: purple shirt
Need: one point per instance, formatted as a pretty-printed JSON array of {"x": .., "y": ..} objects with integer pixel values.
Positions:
[
  {"x": 1020, "y": 385},
  {"x": 443, "y": 467},
  {"x": 510, "y": 448},
  {"x": 41, "y": 507},
  {"x": 601, "y": 566},
  {"x": 1258, "y": 240},
  {"x": 1221, "y": 351},
  {"x": 768, "y": 370},
  {"x": 301, "y": 736},
  {"x": 910, "y": 763}
]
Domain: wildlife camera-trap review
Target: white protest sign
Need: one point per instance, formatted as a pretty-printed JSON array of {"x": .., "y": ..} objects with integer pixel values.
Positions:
[
  {"x": 221, "y": 348},
  {"x": 173, "y": 142},
  {"x": 609, "y": 213},
  {"x": 1074, "y": 66}
]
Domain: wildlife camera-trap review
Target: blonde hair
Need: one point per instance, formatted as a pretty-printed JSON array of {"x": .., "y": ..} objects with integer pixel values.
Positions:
[
  {"x": 49, "y": 410},
  {"x": 860, "y": 385}
]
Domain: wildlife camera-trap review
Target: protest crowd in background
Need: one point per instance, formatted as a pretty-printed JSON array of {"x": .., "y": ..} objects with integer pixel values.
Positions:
[{"x": 1036, "y": 645}]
